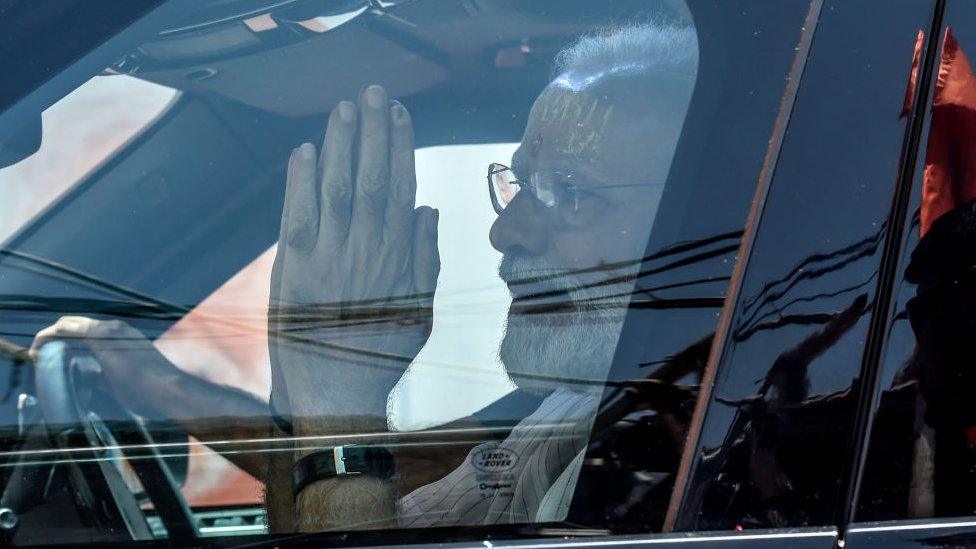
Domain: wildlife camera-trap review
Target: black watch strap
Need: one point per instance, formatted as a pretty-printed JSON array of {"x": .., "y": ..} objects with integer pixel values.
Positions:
[{"x": 374, "y": 461}]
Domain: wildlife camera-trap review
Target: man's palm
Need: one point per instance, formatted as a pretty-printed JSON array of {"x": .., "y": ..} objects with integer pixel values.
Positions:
[{"x": 355, "y": 270}]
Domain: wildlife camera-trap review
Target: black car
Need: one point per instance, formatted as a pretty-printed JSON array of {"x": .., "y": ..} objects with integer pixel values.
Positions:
[{"x": 732, "y": 307}]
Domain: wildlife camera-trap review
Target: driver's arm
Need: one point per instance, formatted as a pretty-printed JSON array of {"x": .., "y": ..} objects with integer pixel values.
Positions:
[
  {"x": 150, "y": 385},
  {"x": 230, "y": 421}
]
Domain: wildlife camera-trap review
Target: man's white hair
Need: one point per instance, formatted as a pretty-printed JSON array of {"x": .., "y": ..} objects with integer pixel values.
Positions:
[{"x": 652, "y": 48}]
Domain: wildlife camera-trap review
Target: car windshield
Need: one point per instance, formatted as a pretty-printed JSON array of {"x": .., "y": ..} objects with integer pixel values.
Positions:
[{"x": 460, "y": 262}]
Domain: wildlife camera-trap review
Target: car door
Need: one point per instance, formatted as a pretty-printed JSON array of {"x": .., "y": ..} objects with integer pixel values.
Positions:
[
  {"x": 736, "y": 391},
  {"x": 782, "y": 420}
]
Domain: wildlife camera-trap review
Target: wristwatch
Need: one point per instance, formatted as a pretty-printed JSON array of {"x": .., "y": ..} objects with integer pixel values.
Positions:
[{"x": 374, "y": 461}]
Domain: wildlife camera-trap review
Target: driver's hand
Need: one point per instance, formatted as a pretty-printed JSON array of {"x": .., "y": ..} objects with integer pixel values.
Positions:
[
  {"x": 356, "y": 267},
  {"x": 128, "y": 359}
]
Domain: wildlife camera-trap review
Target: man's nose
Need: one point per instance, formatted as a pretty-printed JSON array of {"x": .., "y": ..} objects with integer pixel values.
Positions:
[{"x": 520, "y": 228}]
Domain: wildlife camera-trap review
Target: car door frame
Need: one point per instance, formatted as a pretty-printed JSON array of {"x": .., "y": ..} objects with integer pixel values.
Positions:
[{"x": 819, "y": 536}]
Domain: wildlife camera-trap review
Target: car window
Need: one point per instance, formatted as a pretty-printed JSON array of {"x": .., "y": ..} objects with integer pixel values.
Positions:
[
  {"x": 782, "y": 419},
  {"x": 921, "y": 457},
  {"x": 419, "y": 265},
  {"x": 84, "y": 128}
]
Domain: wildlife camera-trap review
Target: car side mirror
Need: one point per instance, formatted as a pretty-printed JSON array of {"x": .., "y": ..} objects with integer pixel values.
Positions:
[{"x": 23, "y": 142}]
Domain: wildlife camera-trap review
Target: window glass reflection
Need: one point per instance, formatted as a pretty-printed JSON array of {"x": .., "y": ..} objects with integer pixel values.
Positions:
[
  {"x": 922, "y": 453},
  {"x": 299, "y": 301}
]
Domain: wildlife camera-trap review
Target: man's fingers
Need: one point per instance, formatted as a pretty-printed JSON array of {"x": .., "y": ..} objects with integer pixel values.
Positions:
[
  {"x": 373, "y": 168},
  {"x": 337, "y": 184},
  {"x": 299, "y": 228},
  {"x": 403, "y": 178},
  {"x": 67, "y": 327},
  {"x": 426, "y": 259}
]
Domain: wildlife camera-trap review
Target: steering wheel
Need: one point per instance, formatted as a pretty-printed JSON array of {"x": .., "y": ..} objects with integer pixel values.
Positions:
[{"x": 73, "y": 400}]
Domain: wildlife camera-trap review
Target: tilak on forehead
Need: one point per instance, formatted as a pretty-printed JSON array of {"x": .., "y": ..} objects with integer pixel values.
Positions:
[{"x": 574, "y": 122}]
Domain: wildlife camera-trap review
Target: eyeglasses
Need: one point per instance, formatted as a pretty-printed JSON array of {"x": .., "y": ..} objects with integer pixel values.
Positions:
[
  {"x": 556, "y": 191},
  {"x": 503, "y": 185}
]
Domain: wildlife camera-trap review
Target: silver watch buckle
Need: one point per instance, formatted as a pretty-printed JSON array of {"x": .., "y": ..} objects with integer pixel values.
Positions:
[
  {"x": 340, "y": 460},
  {"x": 339, "y": 457}
]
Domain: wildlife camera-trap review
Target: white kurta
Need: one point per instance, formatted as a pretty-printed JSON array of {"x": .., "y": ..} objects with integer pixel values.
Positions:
[{"x": 528, "y": 477}]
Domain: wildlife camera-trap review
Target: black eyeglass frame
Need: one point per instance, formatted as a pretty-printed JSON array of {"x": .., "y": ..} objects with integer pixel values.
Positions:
[{"x": 496, "y": 167}]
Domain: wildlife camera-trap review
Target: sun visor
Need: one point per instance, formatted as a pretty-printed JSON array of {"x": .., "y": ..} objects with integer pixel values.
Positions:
[{"x": 310, "y": 76}]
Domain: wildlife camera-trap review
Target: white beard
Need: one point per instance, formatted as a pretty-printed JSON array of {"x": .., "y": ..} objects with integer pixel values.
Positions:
[{"x": 571, "y": 349}]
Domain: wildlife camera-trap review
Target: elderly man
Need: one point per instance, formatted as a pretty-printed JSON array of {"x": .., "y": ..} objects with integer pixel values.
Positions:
[{"x": 355, "y": 275}]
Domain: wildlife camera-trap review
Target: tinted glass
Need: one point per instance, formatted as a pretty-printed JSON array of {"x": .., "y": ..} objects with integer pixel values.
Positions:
[
  {"x": 775, "y": 447},
  {"x": 922, "y": 454},
  {"x": 272, "y": 284}
]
